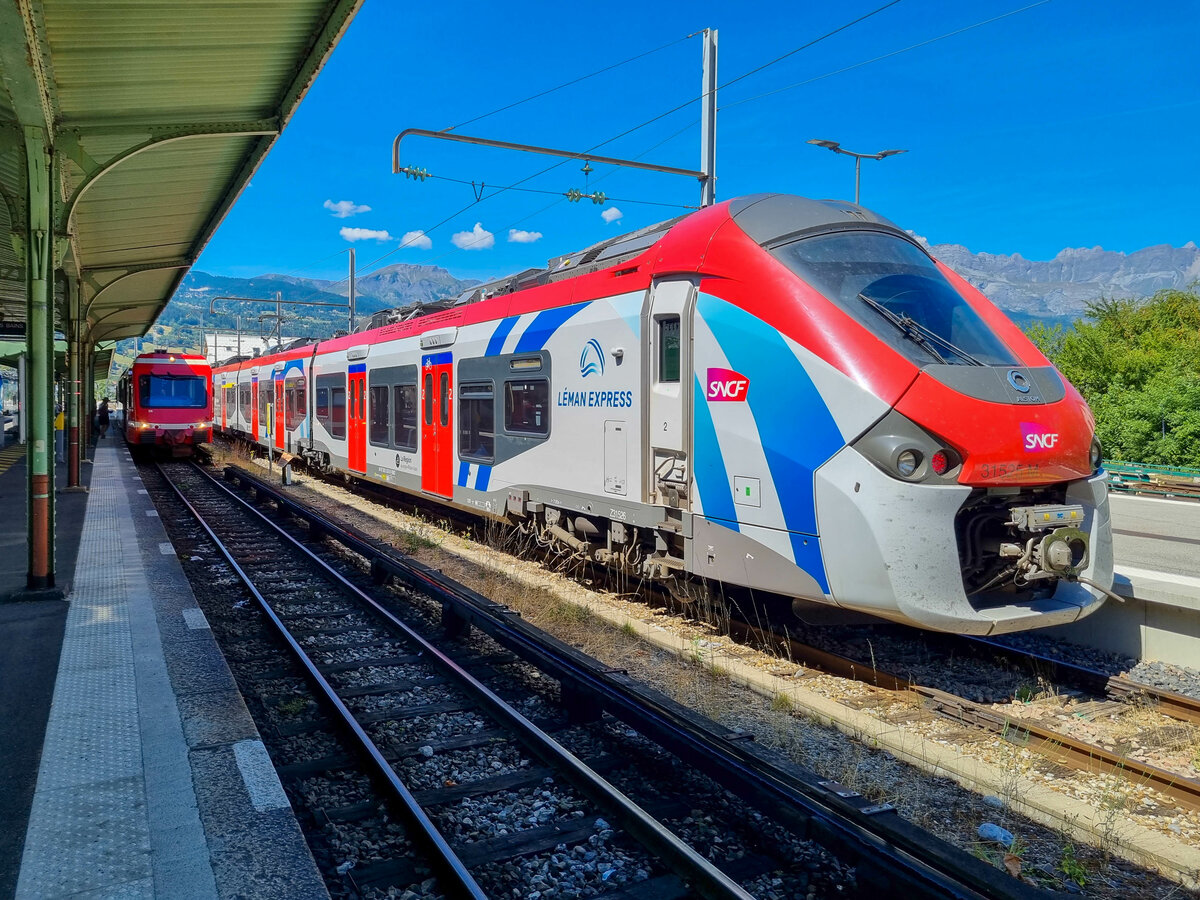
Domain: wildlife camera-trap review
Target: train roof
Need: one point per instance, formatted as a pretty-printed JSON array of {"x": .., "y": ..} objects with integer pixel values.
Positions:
[{"x": 768, "y": 219}]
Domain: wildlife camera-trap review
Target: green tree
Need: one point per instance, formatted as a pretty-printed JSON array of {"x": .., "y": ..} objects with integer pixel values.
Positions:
[{"x": 1137, "y": 363}]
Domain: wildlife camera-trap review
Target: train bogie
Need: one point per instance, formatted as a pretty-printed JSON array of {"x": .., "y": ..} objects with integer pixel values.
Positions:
[{"x": 777, "y": 394}]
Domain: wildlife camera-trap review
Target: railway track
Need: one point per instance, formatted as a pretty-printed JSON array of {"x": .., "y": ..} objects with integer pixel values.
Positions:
[
  {"x": 885, "y": 851},
  {"x": 1052, "y": 744}
]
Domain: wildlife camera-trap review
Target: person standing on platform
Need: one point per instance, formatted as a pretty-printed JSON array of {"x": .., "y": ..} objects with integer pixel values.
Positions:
[
  {"x": 102, "y": 418},
  {"x": 60, "y": 438}
]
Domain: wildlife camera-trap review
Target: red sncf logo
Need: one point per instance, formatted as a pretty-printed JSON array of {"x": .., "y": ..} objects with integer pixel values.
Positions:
[{"x": 726, "y": 384}]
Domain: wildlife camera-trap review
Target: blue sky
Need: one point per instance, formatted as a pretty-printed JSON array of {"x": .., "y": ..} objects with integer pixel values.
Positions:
[{"x": 1068, "y": 124}]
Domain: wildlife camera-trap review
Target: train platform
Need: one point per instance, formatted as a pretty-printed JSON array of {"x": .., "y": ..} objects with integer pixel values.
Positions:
[{"x": 133, "y": 768}]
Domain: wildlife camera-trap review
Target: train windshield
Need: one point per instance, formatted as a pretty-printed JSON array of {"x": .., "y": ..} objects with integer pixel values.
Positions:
[
  {"x": 172, "y": 391},
  {"x": 895, "y": 291}
]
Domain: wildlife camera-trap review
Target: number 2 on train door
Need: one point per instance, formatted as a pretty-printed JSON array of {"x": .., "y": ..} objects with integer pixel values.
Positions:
[{"x": 356, "y": 401}]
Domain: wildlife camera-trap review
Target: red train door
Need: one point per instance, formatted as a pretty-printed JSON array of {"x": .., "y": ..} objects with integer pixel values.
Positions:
[
  {"x": 254, "y": 407},
  {"x": 279, "y": 412},
  {"x": 437, "y": 425},
  {"x": 356, "y": 410}
]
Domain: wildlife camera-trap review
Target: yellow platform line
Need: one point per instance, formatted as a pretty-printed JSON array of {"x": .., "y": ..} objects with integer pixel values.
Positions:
[{"x": 10, "y": 456}]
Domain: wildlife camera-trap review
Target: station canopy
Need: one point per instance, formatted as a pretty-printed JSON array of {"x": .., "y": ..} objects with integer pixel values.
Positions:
[{"x": 158, "y": 114}]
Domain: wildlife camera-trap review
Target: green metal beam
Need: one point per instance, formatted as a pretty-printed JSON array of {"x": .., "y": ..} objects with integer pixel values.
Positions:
[
  {"x": 24, "y": 70},
  {"x": 40, "y": 335}
]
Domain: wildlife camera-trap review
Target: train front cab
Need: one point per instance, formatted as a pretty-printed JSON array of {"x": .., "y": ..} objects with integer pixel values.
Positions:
[{"x": 169, "y": 402}]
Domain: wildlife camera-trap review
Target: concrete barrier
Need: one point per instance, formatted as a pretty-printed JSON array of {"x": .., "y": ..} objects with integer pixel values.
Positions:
[{"x": 1159, "y": 620}]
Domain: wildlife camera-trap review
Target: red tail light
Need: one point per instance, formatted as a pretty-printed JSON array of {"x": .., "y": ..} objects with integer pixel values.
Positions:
[{"x": 939, "y": 462}]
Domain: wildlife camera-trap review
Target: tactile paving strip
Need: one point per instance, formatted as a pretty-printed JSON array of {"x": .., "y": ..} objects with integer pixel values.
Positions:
[{"x": 89, "y": 832}]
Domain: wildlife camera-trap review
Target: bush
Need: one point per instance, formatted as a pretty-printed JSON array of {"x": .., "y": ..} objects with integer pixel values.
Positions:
[{"x": 1137, "y": 363}]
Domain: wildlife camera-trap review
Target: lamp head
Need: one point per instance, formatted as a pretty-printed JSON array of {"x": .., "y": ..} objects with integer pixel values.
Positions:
[
  {"x": 829, "y": 145},
  {"x": 884, "y": 153}
]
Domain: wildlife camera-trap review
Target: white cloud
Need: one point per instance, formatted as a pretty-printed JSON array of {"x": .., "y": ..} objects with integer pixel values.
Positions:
[
  {"x": 344, "y": 209},
  {"x": 923, "y": 241},
  {"x": 418, "y": 239},
  {"x": 523, "y": 237},
  {"x": 478, "y": 238},
  {"x": 364, "y": 234},
  {"x": 611, "y": 214}
]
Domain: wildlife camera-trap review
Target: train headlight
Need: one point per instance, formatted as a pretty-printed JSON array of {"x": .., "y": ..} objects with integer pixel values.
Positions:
[
  {"x": 1096, "y": 455},
  {"x": 907, "y": 462}
]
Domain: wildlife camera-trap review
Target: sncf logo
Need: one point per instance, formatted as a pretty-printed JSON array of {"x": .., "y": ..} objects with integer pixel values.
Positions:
[
  {"x": 1038, "y": 438},
  {"x": 726, "y": 384}
]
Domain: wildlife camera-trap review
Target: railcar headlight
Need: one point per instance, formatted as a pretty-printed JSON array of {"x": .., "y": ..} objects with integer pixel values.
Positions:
[
  {"x": 907, "y": 462},
  {"x": 1096, "y": 456}
]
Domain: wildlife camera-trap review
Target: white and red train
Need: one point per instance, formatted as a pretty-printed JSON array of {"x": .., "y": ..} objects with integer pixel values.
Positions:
[
  {"x": 168, "y": 402},
  {"x": 780, "y": 394}
]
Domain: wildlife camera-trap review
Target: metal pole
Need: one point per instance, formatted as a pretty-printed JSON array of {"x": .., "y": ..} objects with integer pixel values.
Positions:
[
  {"x": 351, "y": 330},
  {"x": 72, "y": 398},
  {"x": 239, "y": 334},
  {"x": 278, "y": 320},
  {"x": 708, "y": 120},
  {"x": 39, "y": 315},
  {"x": 857, "y": 176},
  {"x": 23, "y": 396}
]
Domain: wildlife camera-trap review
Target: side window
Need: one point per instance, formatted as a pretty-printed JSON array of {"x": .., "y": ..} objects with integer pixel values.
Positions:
[
  {"x": 379, "y": 415},
  {"x": 527, "y": 407},
  {"x": 444, "y": 393},
  {"x": 264, "y": 398},
  {"x": 244, "y": 400},
  {"x": 668, "y": 350},
  {"x": 323, "y": 405},
  {"x": 405, "y": 419},
  {"x": 429, "y": 399},
  {"x": 337, "y": 412},
  {"x": 294, "y": 399},
  {"x": 476, "y": 421}
]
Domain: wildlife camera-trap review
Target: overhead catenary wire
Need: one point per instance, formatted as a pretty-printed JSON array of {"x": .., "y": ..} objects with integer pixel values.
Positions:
[
  {"x": 574, "y": 81},
  {"x": 644, "y": 124}
]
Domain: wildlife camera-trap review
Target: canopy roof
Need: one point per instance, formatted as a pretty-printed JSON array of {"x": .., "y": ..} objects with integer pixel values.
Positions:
[{"x": 158, "y": 113}]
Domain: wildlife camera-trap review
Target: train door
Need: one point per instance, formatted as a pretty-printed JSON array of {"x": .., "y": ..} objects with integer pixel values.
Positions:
[
  {"x": 279, "y": 411},
  {"x": 357, "y": 416},
  {"x": 437, "y": 424},
  {"x": 224, "y": 406},
  {"x": 669, "y": 373},
  {"x": 254, "y": 407}
]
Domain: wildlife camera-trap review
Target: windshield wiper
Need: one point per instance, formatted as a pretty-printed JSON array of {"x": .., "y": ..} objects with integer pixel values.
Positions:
[{"x": 919, "y": 334}]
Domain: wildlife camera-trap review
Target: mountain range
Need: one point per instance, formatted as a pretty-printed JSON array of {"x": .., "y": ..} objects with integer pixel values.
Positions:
[
  {"x": 1056, "y": 290},
  {"x": 1059, "y": 289}
]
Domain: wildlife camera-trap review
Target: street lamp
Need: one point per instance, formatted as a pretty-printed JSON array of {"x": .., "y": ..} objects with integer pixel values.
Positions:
[{"x": 858, "y": 158}]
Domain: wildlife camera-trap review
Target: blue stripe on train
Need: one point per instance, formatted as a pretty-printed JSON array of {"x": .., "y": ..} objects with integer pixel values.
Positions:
[
  {"x": 543, "y": 326},
  {"x": 712, "y": 479},
  {"x": 797, "y": 431},
  {"x": 503, "y": 328}
]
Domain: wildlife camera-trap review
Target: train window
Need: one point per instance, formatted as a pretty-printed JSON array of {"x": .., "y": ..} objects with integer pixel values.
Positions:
[
  {"x": 668, "y": 350},
  {"x": 323, "y": 405},
  {"x": 264, "y": 401},
  {"x": 172, "y": 391},
  {"x": 379, "y": 415},
  {"x": 337, "y": 416},
  {"x": 244, "y": 400},
  {"x": 294, "y": 402},
  {"x": 476, "y": 421},
  {"x": 429, "y": 399},
  {"x": 444, "y": 394},
  {"x": 895, "y": 291},
  {"x": 527, "y": 407},
  {"x": 405, "y": 402}
]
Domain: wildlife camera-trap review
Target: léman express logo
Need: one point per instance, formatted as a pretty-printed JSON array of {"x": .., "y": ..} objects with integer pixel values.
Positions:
[{"x": 591, "y": 360}]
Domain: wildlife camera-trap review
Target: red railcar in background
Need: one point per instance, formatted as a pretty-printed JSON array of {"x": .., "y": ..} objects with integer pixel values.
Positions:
[{"x": 168, "y": 401}]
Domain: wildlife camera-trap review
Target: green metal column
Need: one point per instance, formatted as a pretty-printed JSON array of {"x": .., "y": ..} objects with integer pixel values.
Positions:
[
  {"x": 72, "y": 398},
  {"x": 40, "y": 335}
]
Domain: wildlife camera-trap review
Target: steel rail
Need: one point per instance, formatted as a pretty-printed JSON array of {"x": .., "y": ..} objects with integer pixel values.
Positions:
[
  {"x": 1052, "y": 744},
  {"x": 898, "y": 854},
  {"x": 446, "y": 860},
  {"x": 1169, "y": 703},
  {"x": 680, "y": 857}
]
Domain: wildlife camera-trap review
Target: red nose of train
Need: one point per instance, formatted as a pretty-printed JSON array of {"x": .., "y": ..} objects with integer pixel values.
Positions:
[{"x": 1032, "y": 427}]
